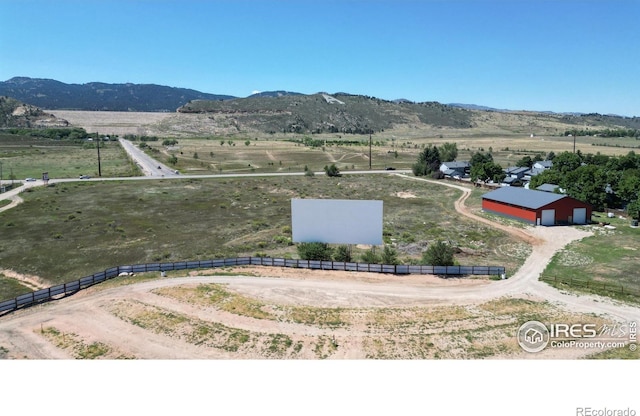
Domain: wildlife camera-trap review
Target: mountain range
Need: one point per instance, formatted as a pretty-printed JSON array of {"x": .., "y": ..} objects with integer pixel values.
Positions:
[
  {"x": 98, "y": 96},
  {"x": 273, "y": 111}
]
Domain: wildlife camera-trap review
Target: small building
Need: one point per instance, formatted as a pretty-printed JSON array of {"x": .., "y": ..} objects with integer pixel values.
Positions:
[
  {"x": 531, "y": 173},
  {"x": 536, "y": 207},
  {"x": 510, "y": 181},
  {"x": 515, "y": 171},
  {"x": 543, "y": 164},
  {"x": 454, "y": 168},
  {"x": 549, "y": 187}
]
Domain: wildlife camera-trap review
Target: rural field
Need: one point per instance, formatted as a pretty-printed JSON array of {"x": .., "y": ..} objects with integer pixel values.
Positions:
[
  {"x": 67, "y": 230},
  {"x": 508, "y": 136},
  {"x": 28, "y": 157},
  {"x": 97, "y": 225}
]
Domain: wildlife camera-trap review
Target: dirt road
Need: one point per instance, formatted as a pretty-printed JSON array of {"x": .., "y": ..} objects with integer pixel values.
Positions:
[{"x": 292, "y": 313}]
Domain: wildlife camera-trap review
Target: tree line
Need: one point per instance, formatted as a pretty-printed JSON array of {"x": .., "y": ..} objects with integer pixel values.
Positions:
[
  {"x": 600, "y": 180},
  {"x": 483, "y": 168},
  {"x": 621, "y": 132}
]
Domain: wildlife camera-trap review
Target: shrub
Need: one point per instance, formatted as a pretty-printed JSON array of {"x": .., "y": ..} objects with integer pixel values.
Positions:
[
  {"x": 370, "y": 256},
  {"x": 342, "y": 254},
  {"x": 315, "y": 251},
  {"x": 390, "y": 256},
  {"x": 438, "y": 254},
  {"x": 332, "y": 171}
]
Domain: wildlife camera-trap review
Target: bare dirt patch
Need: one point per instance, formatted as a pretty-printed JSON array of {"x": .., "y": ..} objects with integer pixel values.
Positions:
[
  {"x": 284, "y": 313},
  {"x": 33, "y": 282},
  {"x": 222, "y": 317}
]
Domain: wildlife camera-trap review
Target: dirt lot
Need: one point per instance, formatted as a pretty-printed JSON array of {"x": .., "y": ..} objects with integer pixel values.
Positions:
[
  {"x": 279, "y": 313},
  {"x": 256, "y": 313}
]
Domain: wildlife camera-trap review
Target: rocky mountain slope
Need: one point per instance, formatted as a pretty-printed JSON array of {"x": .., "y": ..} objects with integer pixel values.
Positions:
[{"x": 14, "y": 113}]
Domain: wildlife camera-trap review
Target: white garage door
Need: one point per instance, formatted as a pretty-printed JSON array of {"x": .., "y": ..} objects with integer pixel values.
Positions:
[
  {"x": 579, "y": 215},
  {"x": 548, "y": 217}
]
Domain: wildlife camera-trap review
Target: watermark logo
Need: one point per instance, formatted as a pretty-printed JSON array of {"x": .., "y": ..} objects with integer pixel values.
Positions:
[{"x": 533, "y": 336}]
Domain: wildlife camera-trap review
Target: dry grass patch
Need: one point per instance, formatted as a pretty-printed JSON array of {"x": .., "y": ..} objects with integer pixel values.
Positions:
[
  {"x": 250, "y": 344},
  {"x": 217, "y": 296},
  {"x": 443, "y": 332},
  {"x": 80, "y": 348},
  {"x": 220, "y": 297}
]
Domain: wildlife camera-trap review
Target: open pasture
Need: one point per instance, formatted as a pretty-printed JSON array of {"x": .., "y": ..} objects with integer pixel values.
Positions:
[
  {"x": 67, "y": 231},
  {"x": 224, "y": 155},
  {"x": 508, "y": 136},
  {"x": 608, "y": 258},
  {"x": 26, "y": 156},
  {"x": 351, "y": 152}
]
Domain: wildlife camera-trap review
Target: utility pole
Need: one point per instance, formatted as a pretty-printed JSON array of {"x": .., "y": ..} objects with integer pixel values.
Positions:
[
  {"x": 369, "y": 149},
  {"x": 98, "y": 143},
  {"x": 574, "y": 142}
]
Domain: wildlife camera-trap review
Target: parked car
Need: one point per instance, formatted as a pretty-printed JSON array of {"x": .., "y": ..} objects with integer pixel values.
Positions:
[
  {"x": 85, "y": 177},
  {"x": 30, "y": 180}
]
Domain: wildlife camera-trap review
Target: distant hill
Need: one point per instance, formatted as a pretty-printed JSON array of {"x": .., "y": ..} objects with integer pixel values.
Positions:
[
  {"x": 287, "y": 112},
  {"x": 324, "y": 113},
  {"x": 14, "y": 113},
  {"x": 94, "y": 96},
  {"x": 274, "y": 94},
  {"x": 475, "y": 107}
]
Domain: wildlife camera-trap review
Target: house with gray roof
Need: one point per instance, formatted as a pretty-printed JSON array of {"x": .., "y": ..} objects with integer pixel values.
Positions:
[
  {"x": 455, "y": 168},
  {"x": 531, "y": 173},
  {"x": 543, "y": 164},
  {"x": 515, "y": 171},
  {"x": 548, "y": 187}
]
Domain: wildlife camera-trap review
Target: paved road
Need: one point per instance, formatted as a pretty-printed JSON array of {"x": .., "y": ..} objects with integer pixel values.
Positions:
[
  {"x": 148, "y": 165},
  {"x": 546, "y": 242}
]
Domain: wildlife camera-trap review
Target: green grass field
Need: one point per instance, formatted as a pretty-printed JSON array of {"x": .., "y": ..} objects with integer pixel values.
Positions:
[
  {"x": 10, "y": 288},
  {"x": 28, "y": 157},
  {"x": 67, "y": 231},
  {"x": 606, "y": 263}
]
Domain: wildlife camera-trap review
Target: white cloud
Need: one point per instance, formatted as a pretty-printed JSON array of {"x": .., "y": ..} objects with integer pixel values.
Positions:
[{"x": 255, "y": 92}]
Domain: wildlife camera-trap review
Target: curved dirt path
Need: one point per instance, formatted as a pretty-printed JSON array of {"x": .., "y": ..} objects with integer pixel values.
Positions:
[
  {"x": 15, "y": 200},
  {"x": 545, "y": 241},
  {"x": 88, "y": 312}
]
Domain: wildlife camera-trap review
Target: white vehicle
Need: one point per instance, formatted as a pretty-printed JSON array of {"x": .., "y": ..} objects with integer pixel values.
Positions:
[{"x": 30, "y": 180}]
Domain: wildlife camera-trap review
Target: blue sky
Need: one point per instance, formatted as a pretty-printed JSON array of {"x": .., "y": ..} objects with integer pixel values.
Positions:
[{"x": 560, "y": 55}]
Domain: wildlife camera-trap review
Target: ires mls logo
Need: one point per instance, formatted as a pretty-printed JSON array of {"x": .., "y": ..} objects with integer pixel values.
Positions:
[{"x": 533, "y": 336}]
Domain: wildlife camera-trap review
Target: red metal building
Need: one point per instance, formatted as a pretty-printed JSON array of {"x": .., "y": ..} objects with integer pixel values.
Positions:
[{"x": 536, "y": 207}]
